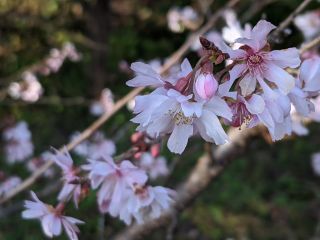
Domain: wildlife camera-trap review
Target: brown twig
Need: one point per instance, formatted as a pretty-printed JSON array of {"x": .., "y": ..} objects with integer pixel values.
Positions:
[
  {"x": 175, "y": 57},
  {"x": 313, "y": 43},
  {"x": 274, "y": 36}
]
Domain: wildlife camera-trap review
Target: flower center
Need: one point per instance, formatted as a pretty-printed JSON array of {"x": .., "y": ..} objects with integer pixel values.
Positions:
[
  {"x": 241, "y": 114},
  {"x": 255, "y": 59},
  {"x": 179, "y": 118}
]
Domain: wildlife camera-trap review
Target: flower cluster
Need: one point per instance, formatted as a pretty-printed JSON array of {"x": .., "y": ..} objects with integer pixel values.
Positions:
[
  {"x": 254, "y": 88},
  {"x": 181, "y": 18},
  {"x": 95, "y": 147},
  {"x": 258, "y": 85},
  {"x": 57, "y": 57},
  {"x": 18, "y": 144},
  {"x": 30, "y": 89},
  {"x": 123, "y": 191}
]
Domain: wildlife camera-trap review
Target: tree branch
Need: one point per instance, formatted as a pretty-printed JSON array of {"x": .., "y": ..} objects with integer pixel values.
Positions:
[
  {"x": 275, "y": 35},
  {"x": 313, "y": 43}
]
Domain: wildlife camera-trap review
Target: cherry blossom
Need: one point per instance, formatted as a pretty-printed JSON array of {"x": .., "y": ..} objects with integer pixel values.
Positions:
[
  {"x": 29, "y": 89},
  {"x": 154, "y": 166},
  {"x": 69, "y": 51},
  {"x": 181, "y": 18},
  {"x": 95, "y": 147},
  {"x": 233, "y": 30},
  {"x": 52, "y": 220},
  {"x": 70, "y": 174},
  {"x": 34, "y": 163},
  {"x": 308, "y": 23},
  {"x": 18, "y": 145},
  {"x": 315, "y": 116},
  {"x": 82, "y": 148},
  {"x": 146, "y": 203},
  {"x": 8, "y": 184},
  {"x": 115, "y": 181},
  {"x": 258, "y": 63},
  {"x": 100, "y": 146},
  {"x": 167, "y": 111},
  {"x": 105, "y": 103},
  {"x": 206, "y": 85}
]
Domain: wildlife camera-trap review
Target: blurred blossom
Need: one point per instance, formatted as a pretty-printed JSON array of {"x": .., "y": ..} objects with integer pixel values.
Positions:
[
  {"x": 55, "y": 60},
  {"x": 315, "y": 163},
  {"x": 181, "y": 18},
  {"x": 233, "y": 30},
  {"x": 51, "y": 218},
  {"x": 82, "y": 148},
  {"x": 57, "y": 57},
  {"x": 100, "y": 146},
  {"x": 298, "y": 126},
  {"x": 124, "y": 66},
  {"x": 29, "y": 89},
  {"x": 95, "y": 147},
  {"x": 8, "y": 184},
  {"x": 315, "y": 116},
  {"x": 155, "y": 64},
  {"x": 154, "y": 166},
  {"x": 69, "y": 51},
  {"x": 35, "y": 163},
  {"x": 104, "y": 105},
  {"x": 308, "y": 23},
  {"x": 18, "y": 145},
  {"x": 70, "y": 174}
]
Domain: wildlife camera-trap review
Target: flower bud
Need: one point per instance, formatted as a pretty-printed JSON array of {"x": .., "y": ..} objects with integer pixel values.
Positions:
[{"x": 206, "y": 85}]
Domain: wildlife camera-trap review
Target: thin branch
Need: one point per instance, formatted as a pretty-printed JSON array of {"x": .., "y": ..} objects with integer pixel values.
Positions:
[
  {"x": 201, "y": 176},
  {"x": 285, "y": 23},
  {"x": 121, "y": 103},
  {"x": 314, "y": 43},
  {"x": 51, "y": 100}
]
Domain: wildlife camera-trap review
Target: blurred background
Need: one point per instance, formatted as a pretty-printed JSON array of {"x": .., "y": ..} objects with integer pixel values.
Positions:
[{"x": 75, "y": 56}]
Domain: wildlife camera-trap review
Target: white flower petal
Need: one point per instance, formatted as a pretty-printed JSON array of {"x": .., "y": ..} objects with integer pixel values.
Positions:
[{"x": 178, "y": 139}]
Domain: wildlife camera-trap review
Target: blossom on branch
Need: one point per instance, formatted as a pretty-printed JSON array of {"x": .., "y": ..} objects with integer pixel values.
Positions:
[
  {"x": 52, "y": 219},
  {"x": 174, "y": 108},
  {"x": 256, "y": 63},
  {"x": 70, "y": 175}
]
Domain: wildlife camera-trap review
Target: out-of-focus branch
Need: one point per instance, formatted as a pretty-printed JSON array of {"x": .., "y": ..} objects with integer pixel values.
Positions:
[
  {"x": 205, "y": 171},
  {"x": 305, "y": 47},
  {"x": 274, "y": 36},
  {"x": 174, "y": 58},
  {"x": 53, "y": 100},
  {"x": 254, "y": 8}
]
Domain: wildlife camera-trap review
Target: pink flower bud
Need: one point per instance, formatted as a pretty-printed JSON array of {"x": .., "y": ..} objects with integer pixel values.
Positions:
[{"x": 206, "y": 85}]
